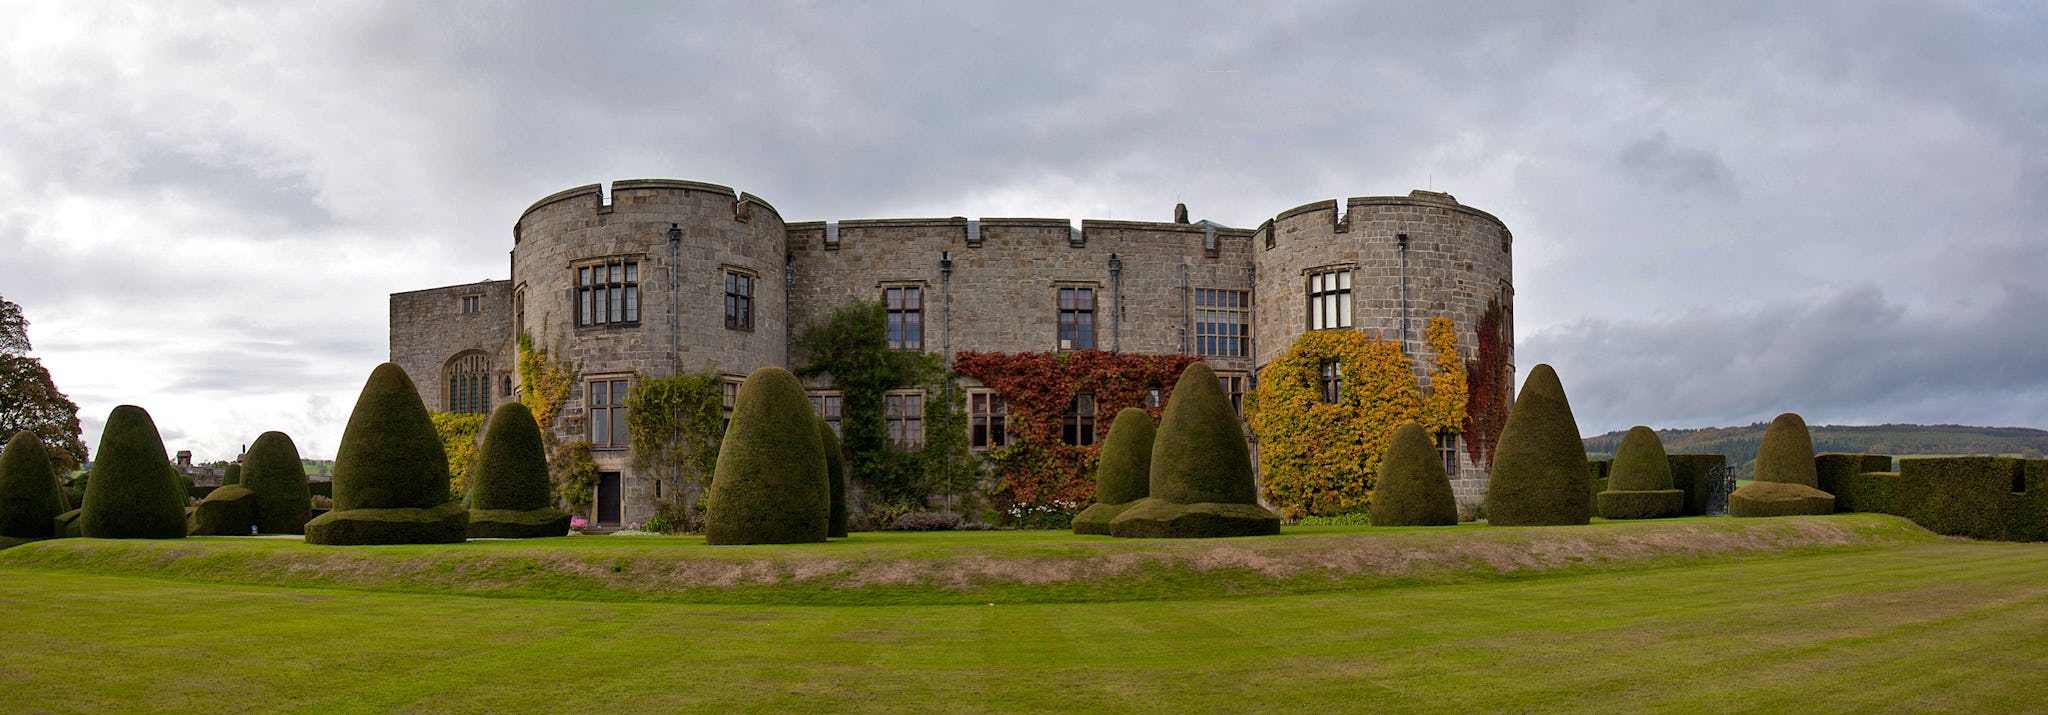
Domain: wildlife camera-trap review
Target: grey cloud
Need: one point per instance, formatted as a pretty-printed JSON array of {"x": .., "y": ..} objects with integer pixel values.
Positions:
[{"x": 1656, "y": 160}]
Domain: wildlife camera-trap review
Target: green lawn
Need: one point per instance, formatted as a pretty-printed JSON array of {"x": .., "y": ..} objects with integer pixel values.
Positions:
[{"x": 1922, "y": 625}]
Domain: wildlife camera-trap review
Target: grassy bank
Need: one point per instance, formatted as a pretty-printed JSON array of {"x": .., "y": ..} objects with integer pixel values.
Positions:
[
  {"x": 1927, "y": 626},
  {"x": 968, "y": 567}
]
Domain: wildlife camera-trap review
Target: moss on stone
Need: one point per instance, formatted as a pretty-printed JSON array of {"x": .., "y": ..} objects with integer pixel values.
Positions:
[
  {"x": 1540, "y": 472},
  {"x": 228, "y": 511},
  {"x": 512, "y": 466},
  {"x": 390, "y": 473},
  {"x": 770, "y": 485},
  {"x": 272, "y": 469},
  {"x": 835, "y": 471},
  {"x": 1786, "y": 455},
  {"x": 30, "y": 497},
  {"x": 1412, "y": 489},
  {"x": 1201, "y": 471},
  {"x": 1123, "y": 474},
  {"x": 1779, "y": 499},
  {"x": 133, "y": 492}
]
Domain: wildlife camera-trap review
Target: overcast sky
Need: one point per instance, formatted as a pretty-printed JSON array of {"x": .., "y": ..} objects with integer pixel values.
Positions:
[{"x": 1722, "y": 211}]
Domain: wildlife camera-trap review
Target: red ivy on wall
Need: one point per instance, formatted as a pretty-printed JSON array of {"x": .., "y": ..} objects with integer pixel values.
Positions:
[
  {"x": 1486, "y": 403},
  {"x": 1038, "y": 469}
]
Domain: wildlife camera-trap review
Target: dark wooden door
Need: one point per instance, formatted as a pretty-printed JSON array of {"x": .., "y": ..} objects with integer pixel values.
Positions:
[{"x": 608, "y": 503}]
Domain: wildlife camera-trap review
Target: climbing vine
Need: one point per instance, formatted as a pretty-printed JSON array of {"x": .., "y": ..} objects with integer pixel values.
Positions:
[
  {"x": 458, "y": 432},
  {"x": 575, "y": 475},
  {"x": 850, "y": 346},
  {"x": 1038, "y": 469},
  {"x": 1486, "y": 411},
  {"x": 544, "y": 384},
  {"x": 1320, "y": 458},
  {"x": 677, "y": 423},
  {"x": 1443, "y": 409}
]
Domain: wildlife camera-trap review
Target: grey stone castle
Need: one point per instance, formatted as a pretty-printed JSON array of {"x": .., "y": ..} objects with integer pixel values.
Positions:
[{"x": 668, "y": 276}]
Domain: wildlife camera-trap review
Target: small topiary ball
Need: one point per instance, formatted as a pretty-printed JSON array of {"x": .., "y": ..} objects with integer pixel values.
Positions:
[
  {"x": 1786, "y": 455},
  {"x": 770, "y": 485},
  {"x": 1539, "y": 466},
  {"x": 1412, "y": 489},
  {"x": 133, "y": 492},
  {"x": 30, "y": 497},
  {"x": 835, "y": 470},
  {"x": 1123, "y": 474},
  {"x": 284, "y": 498}
]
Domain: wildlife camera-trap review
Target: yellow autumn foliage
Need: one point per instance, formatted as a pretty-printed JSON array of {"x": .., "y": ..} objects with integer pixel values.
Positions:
[{"x": 1319, "y": 458}]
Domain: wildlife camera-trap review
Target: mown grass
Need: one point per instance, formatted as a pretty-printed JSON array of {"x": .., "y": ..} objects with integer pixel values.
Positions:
[
  {"x": 965, "y": 567},
  {"x": 1920, "y": 626}
]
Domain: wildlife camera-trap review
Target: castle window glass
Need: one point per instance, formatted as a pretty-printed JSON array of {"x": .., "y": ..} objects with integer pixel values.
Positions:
[
  {"x": 739, "y": 301},
  {"x": 608, "y": 294},
  {"x": 1078, "y": 426},
  {"x": 1077, "y": 319},
  {"x": 469, "y": 383},
  {"x": 472, "y": 304},
  {"x": 987, "y": 416},
  {"x": 905, "y": 307},
  {"x": 830, "y": 407},
  {"x": 903, "y": 417},
  {"x": 1333, "y": 381},
  {"x": 1447, "y": 448},
  {"x": 1233, "y": 385},
  {"x": 1222, "y": 320},
  {"x": 1329, "y": 299},
  {"x": 607, "y": 421}
]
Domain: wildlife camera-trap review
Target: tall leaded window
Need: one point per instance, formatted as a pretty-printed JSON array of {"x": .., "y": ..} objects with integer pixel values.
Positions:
[
  {"x": 608, "y": 293},
  {"x": 469, "y": 383},
  {"x": 607, "y": 400},
  {"x": 831, "y": 407},
  {"x": 905, "y": 305},
  {"x": 903, "y": 415},
  {"x": 1329, "y": 299},
  {"x": 739, "y": 300},
  {"x": 1222, "y": 322},
  {"x": 1078, "y": 426},
  {"x": 1332, "y": 381},
  {"x": 1077, "y": 319},
  {"x": 986, "y": 418}
]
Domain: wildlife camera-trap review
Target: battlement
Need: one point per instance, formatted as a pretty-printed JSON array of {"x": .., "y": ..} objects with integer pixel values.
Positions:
[{"x": 602, "y": 202}]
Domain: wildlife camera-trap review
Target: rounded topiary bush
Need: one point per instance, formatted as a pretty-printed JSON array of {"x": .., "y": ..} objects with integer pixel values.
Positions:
[
  {"x": 390, "y": 473},
  {"x": 1786, "y": 455},
  {"x": 1412, "y": 489},
  {"x": 1779, "y": 499},
  {"x": 1539, "y": 473},
  {"x": 511, "y": 498},
  {"x": 1639, "y": 482},
  {"x": 770, "y": 485},
  {"x": 1123, "y": 474},
  {"x": 835, "y": 472},
  {"x": 1201, "y": 482},
  {"x": 227, "y": 511},
  {"x": 133, "y": 492},
  {"x": 233, "y": 475},
  {"x": 30, "y": 497},
  {"x": 272, "y": 469}
]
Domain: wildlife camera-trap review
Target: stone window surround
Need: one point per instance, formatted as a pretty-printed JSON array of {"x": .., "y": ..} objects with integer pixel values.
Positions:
[
  {"x": 898, "y": 418},
  {"x": 1243, "y": 311},
  {"x": 987, "y": 419},
  {"x": 829, "y": 405},
  {"x": 1343, "y": 304},
  {"x": 629, "y": 317},
  {"x": 594, "y": 409},
  {"x": 740, "y": 297},
  {"x": 468, "y": 377},
  {"x": 472, "y": 303},
  {"x": 1078, "y": 425},
  {"x": 1094, "y": 289},
  {"x": 912, "y": 342}
]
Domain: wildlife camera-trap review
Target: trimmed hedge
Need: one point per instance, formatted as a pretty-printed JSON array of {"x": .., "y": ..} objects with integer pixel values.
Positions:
[
  {"x": 1833, "y": 471},
  {"x": 1786, "y": 455},
  {"x": 67, "y": 524},
  {"x": 1980, "y": 497},
  {"x": 273, "y": 471},
  {"x": 1201, "y": 482},
  {"x": 133, "y": 492},
  {"x": 390, "y": 473},
  {"x": 1779, "y": 499},
  {"x": 511, "y": 498},
  {"x": 1597, "y": 471},
  {"x": 1691, "y": 473},
  {"x": 1539, "y": 466},
  {"x": 1640, "y": 484},
  {"x": 233, "y": 475},
  {"x": 1123, "y": 474},
  {"x": 1412, "y": 489},
  {"x": 770, "y": 485},
  {"x": 30, "y": 497},
  {"x": 1640, "y": 504},
  {"x": 1883, "y": 493},
  {"x": 835, "y": 474},
  {"x": 228, "y": 511}
]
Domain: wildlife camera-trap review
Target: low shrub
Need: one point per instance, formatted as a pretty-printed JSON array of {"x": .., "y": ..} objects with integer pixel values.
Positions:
[
  {"x": 1779, "y": 499},
  {"x": 228, "y": 511},
  {"x": 1352, "y": 519},
  {"x": 925, "y": 521},
  {"x": 1642, "y": 504},
  {"x": 1055, "y": 516}
]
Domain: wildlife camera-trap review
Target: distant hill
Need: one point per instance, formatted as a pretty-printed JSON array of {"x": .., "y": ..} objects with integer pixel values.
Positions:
[{"x": 1739, "y": 444}]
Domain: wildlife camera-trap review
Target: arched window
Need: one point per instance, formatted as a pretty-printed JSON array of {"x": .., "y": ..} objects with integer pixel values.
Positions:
[{"x": 469, "y": 383}]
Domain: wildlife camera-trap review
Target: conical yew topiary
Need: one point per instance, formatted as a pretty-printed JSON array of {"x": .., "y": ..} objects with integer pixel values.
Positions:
[
  {"x": 284, "y": 498},
  {"x": 512, "y": 498},
  {"x": 1201, "y": 482},
  {"x": 1123, "y": 474},
  {"x": 1787, "y": 482},
  {"x": 391, "y": 473},
  {"x": 233, "y": 475},
  {"x": 835, "y": 471},
  {"x": 133, "y": 493},
  {"x": 1639, "y": 483},
  {"x": 1539, "y": 465},
  {"x": 770, "y": 485},
  {"x": 30, "y": 497},
  {"x": 1412, "y": 489}
]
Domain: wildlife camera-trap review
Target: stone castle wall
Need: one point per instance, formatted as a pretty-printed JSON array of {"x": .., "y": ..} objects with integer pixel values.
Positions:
[{"x": 429, "y": 331}]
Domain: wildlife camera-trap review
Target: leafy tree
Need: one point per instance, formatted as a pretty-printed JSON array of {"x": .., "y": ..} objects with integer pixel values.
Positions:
[{"x": 30, "y": 401}]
